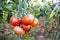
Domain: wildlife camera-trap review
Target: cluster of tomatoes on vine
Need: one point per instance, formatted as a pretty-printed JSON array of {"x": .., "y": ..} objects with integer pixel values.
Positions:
[{"x": 21, "y": 25}]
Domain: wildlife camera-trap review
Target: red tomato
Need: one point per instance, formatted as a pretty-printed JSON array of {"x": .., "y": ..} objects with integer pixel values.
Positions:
[
  {"x": 43, "y": 26},
  {"x": 26, "y": 27},
  {"x": 56, "y": 21},
  {"x": 29, "y": 33},
  {"x": 23, "y": 35},
  {"x": 35, "y": 23},
  {"x": 28, "y": 19},
  {"x": 53, "y": 27},
  {"x": 18, "y": 30},
  {"x": 15, "y": 21}
]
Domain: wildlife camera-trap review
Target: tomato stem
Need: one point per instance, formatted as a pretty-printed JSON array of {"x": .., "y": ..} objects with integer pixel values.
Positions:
[
  {"x": 25, "y": 7},
  {"x": 20, "y": 8},
  {"x": 17, "y": 37},
  {"x": 55, "y": 34}
]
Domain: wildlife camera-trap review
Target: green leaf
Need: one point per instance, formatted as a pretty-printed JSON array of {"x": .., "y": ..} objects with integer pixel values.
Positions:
[
  {"x": 53, "y": 13},
  {"x": 14, "y": 5},
  {"x": 9, "y": 7},
  {"x": 0, "y": 28}
]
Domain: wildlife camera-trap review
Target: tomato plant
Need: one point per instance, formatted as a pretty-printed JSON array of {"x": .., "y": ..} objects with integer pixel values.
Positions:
[{"x": 27, "y": 10}]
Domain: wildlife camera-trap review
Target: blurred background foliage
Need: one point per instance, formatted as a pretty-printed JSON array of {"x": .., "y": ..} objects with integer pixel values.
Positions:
[{"x": 9, "y": 7}]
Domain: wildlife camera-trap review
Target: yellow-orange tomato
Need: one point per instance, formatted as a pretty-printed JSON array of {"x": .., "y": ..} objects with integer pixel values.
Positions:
[
  {"x": 35, "y": 23},
  {"x": 18, "y": 30},
  {"x": 28, "y": 19}
]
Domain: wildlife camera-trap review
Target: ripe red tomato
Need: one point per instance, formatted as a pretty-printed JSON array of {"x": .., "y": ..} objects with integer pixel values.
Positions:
[
  {"x": 35, "y": 23},
  {"x": 28, "y": 19},
  {"x": 53, "y": 27},
  {"x": 18, "y": 30},
  {"x": 43, "y": 26},
  {"x": 23, "y": 35},
  {"x": 29, "y": 33},
  {"x": 26, "y": 27},
  {"x": 15, "y": 21}
]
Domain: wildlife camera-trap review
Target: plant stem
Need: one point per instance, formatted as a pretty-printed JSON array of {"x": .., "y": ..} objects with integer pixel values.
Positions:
[
  {"x": 17, "y": 37},
  {"x": 25, "y": 7},
  {"x": 20, "y": 7},
  {"x": 55, "y": 34}
]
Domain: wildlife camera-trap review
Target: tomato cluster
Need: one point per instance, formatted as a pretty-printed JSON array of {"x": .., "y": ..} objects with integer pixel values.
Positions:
[{"x": 27, "y": 22}]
